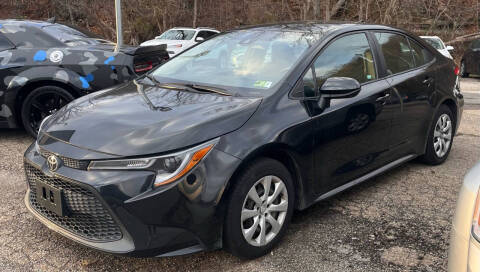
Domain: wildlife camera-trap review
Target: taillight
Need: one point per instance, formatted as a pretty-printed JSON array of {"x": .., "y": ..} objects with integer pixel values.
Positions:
[
  {"x": 457, "y": 70},
  {"x": 143, "y": 67}
]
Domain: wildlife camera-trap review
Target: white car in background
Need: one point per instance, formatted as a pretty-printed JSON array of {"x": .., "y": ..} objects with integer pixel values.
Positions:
[
  {"x": 438, "y": 44},
  {"x": 464, "y": 253},
  {"x": 179, "y": 39}
]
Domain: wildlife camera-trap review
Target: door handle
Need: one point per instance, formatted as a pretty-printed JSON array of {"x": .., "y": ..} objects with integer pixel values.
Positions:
[
  {"x": 428, "y": 80},
  {"x": 383, "y": 98}
]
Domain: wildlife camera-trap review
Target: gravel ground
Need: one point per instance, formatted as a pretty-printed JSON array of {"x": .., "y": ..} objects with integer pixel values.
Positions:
[{"x": 399, "y": 221}]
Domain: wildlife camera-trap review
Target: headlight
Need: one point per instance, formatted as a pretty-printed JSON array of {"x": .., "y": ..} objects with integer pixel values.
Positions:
[
  {"x": 476, "y": 219},
  {"x": 168, "y": 168}
]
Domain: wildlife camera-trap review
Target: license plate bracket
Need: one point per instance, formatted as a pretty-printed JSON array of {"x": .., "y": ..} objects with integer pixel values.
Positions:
[{"x": 51, "y": 198}]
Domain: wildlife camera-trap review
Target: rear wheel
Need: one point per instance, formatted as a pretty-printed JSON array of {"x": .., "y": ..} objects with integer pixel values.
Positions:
[
  {"x": 441, "y": 137},
  {"x": 40, "y": 103},
  {"x": 259, "y": 210},
  {"x": 463, "y": 71}
]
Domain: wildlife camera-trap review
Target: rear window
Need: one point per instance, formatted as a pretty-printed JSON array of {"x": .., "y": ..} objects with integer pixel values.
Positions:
[
  {"x": 177, "y": 34},
  {"x": 4, "y": 43},
  {"x": 435, "y": 43},
  {"x": 28, "y": 36}
]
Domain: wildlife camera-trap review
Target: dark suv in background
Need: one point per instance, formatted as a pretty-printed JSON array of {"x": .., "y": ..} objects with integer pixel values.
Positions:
[
  {"x": 43, "y": 66},
  {"x": 470, "y": 63},
  {"x": 218, "y": 146}
]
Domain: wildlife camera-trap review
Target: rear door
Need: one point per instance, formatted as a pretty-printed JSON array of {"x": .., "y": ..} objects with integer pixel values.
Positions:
[
  {"x": 412, "y": 80},
  {"x": 351, "y": 134}
]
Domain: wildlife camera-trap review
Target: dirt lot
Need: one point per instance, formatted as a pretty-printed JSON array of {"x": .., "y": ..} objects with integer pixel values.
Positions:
[{"x": 399, "y": 221}]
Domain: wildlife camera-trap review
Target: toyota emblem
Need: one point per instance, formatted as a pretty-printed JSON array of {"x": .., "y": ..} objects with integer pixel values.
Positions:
[{"x": 53, "y": 163}]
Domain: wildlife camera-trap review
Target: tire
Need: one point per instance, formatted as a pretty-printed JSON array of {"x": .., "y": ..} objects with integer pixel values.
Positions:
[
  {"x": 463, "y": 69},
  {"x": 258, "y": 173},
  {"x": 40, "y": 103},
  {"x": 440, "y": 138}
]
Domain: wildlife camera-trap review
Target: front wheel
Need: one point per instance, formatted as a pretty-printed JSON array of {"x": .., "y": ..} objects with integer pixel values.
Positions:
[
  {"x": 441, "y": 137},
  {"x": 40, "y": 103},
  {"x": 259, "y": 210}
]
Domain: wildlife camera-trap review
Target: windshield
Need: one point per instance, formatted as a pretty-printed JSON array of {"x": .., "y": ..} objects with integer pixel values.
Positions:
[
  {"x": 177, "y": 34},
  {"x": 252, "y": 59},
  {"x": 436, "y": 43},
  {"x": 71, "y": 36}
]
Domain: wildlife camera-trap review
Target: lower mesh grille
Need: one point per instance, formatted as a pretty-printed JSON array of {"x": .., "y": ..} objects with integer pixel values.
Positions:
[{"x": 87, "y": 216}]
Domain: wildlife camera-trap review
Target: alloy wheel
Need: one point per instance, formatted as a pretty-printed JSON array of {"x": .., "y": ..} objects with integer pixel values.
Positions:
[
  {"x": 264, "y": 211},
  {"x": 442, "y": 135}
]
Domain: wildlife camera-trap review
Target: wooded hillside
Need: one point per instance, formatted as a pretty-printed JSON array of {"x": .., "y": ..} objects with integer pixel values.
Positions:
[{"x": 144, "y": 19}]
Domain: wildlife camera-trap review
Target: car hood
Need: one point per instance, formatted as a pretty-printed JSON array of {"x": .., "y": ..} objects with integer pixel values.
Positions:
[
  {"x": 161, "y": 41},
  {"x": 139, "y": 119}
]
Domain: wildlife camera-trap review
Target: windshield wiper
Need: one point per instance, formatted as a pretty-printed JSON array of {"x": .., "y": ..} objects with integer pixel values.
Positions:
[
  {"x": 188, "y": 87},
  {"x": 210, "y": 89}
]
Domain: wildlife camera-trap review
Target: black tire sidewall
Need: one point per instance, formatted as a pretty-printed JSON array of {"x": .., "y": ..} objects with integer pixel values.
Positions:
[
  {"x": 24, "y": 111},
  {"x": 430, "y": 156},
  {"x": 233, "y": 237}
]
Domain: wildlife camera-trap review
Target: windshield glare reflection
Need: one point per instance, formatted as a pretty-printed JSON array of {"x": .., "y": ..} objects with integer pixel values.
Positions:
[{"x": 252, "y": 59}]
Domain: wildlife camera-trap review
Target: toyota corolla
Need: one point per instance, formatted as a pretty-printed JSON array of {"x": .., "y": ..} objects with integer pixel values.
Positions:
[{"x": 218, "y": 146}]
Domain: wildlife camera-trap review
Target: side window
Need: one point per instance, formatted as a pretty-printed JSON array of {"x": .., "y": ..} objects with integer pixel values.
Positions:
[
  {"x": 348, "y": 56},
  {"x": 420, "y": 54},
  {"x": 475, "y": 44},
  {"x": 396, "y": 51},
  {"x": 205, "y": 34},
  {"x": 4, "y": 43},
  {"x": 306, "y": 88}
]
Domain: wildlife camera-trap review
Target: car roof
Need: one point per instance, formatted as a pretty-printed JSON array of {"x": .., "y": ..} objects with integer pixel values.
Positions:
[
  {"x": 34, "y": 23},
  {"x": 191, "y": 28},
  {"x": 430, "y": 37},
  {"x": 317, "y": 27}
]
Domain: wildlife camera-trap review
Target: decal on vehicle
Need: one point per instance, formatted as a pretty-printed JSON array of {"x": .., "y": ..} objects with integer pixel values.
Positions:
[
  {"x": 40, "y": 56},
  {"x": 56, "y": 56}
]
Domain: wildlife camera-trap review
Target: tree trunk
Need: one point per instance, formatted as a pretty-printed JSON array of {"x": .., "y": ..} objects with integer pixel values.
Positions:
[
  {"x": 327, "y": 10},
  {"x": 195, "y": 2}
]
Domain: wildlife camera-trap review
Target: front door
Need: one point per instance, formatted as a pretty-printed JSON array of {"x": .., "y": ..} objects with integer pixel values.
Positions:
[{"x": 351, "y": 134}]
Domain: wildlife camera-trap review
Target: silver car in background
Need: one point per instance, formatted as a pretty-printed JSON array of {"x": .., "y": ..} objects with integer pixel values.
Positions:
[
  {"x": 464, "y": 253},
  {"x": 438, "y": 44}
]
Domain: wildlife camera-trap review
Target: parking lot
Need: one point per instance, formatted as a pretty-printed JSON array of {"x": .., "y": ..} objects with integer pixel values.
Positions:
[{"x": 399, "y": 221}]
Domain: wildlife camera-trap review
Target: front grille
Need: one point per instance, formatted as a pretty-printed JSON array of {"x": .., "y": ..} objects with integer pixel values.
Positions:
[
  {"x": 68, "y": 162},
  {"x": 87, "y": 217}
]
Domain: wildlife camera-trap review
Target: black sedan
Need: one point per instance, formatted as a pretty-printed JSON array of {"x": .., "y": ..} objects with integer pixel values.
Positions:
[
  {"x": 218, "y": 146},
  {"x": 43, "y": 66}
]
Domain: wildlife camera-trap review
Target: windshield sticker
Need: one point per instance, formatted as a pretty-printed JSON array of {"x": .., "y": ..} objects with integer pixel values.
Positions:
[{"x": 262, "y": 84}]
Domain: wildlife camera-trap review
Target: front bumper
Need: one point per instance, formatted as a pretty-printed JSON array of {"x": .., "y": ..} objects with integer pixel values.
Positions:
[{"x": 119, "y": 212}]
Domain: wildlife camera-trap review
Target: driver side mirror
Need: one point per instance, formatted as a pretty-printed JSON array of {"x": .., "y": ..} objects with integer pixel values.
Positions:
[
  {"x": 449, "y": 48},
  {"x": 340, "y": 87},
  {"x": 199, "y": 39}
]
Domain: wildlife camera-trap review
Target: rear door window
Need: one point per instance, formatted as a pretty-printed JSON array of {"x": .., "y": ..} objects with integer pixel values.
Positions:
[
  {"x": 421, "y": 55},
  {"x": 396, "y": 51},
  {"x": 347, "y": 56}
]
